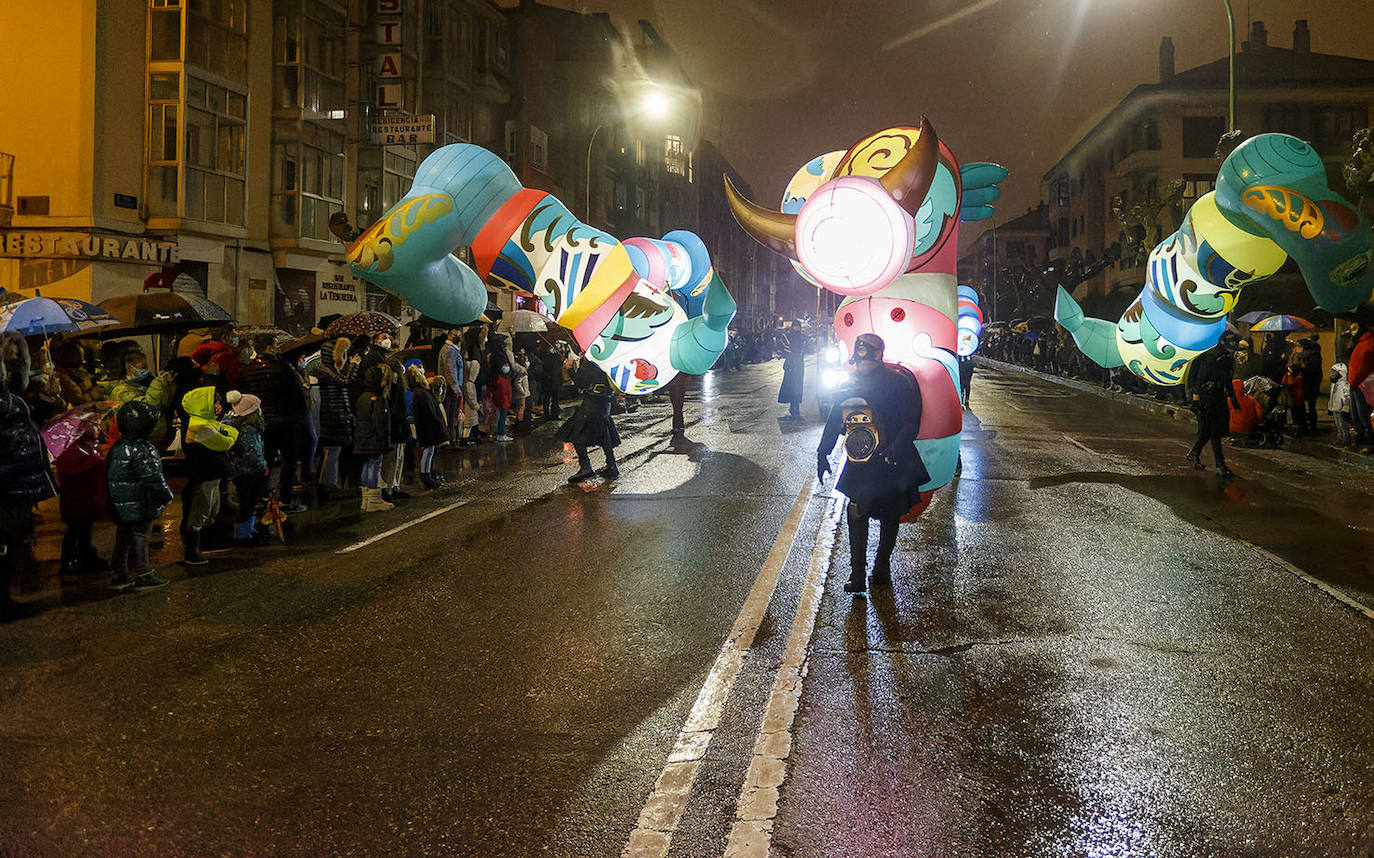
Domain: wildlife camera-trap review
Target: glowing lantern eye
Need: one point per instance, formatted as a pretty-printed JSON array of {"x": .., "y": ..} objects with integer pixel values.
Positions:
[
  {"x": 852, "y": 237},
  {"x": 849, "y": 320}
]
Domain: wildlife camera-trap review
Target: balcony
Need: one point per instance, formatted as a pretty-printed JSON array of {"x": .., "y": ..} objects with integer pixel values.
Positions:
[{"x": 1140, "y": 161}]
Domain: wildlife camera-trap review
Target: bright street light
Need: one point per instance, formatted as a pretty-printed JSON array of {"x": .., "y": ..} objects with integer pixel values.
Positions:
[{"x": 655, "y": 104}]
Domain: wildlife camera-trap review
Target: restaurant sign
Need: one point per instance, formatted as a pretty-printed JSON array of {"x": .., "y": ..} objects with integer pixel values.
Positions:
[{"x": 20, "y": 244}]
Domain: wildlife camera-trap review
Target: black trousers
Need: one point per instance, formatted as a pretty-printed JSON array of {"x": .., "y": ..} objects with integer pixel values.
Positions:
[
  {"x": 858, "y": 542},
  {"x": 1211, "y": 427},
  {"x": 584, "y": 457}
]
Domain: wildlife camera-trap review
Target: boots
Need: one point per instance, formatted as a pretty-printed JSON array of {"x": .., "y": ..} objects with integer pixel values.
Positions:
[
  {"x": 887, "y": 540},
  {"x": 584, "y": 471},
  {"x": 191, "y": 540},
  {"x": 610, "y": 472},
  {"x": 858, "y": 552},
  {"x": 372, "y": 501}
]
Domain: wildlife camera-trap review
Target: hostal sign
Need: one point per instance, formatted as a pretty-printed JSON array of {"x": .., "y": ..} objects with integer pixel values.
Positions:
[{"x": 69, "y": 245}]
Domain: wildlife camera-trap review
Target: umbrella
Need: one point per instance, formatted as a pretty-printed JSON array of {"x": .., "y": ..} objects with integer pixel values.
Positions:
[
  {"x": 66, "y": 428},
  {"x": 162, "y": 312},
  {"x": 295, "y": 344},
  {"x": 527, "y": 321},
  {"x": 1282, "y": 322},
  {"x": 44, "y": 316},
  {"x": 368, "y": 322},
  {"x": 1254, "y": 316}
]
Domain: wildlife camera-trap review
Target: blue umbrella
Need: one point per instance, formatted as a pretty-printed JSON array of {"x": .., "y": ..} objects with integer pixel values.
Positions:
[
  {"x": 40, "y": 316},
  {"x": 1283, "y": 323},
  {"x": 1254, "y": 316}
]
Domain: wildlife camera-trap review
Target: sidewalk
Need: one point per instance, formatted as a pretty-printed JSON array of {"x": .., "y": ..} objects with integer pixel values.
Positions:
[
  {"x": 39, "y": 583},
  {"x": 1317, "y": 447}
]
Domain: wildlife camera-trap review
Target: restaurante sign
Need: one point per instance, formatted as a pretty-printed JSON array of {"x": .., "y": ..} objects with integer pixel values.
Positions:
[{"x": 18, "y": 244}]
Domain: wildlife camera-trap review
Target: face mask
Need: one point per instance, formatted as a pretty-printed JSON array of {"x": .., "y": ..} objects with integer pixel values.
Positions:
[
  {"x": 505, "y": 367},
  {"x": 142, "y": 375},
  {"x": 386, "y": 344}
]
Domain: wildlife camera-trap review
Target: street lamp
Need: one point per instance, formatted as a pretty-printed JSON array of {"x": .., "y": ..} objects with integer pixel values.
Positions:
[
  {"x": 1231, "y": 81},
  {"x": 654, "y": 104}
]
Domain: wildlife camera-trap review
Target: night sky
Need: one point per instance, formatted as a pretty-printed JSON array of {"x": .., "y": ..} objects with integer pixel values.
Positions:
[{"x": 1011, "y": 81}]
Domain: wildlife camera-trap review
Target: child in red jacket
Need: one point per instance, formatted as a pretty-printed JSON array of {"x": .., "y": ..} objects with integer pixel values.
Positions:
[{"x": 81, "y": 501}]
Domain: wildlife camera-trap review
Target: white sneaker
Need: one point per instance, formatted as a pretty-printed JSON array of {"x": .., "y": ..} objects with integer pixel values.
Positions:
[{"x": 504, "y": 439}]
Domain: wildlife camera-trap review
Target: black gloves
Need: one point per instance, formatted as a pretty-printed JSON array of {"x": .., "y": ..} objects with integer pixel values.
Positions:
[{"x": 822, "y": 466}]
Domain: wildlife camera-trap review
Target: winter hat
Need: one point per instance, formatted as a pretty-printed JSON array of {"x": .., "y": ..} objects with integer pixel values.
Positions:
[
  {"x": 243, "y": 404},
  {"x": 416, "y": 373}
]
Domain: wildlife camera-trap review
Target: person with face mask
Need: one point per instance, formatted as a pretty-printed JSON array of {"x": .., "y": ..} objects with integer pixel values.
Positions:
[
  {"x": 1210, "y": 393},
  {"x": 881, "y": 482},
  {"x": 138, "y": 384},
  {"x": 501, "y": 395}
]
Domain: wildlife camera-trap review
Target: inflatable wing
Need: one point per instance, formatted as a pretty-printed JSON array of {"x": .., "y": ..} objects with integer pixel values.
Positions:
[
  {"x": 642, "y": 309},
  {"x": 878, "y": 223},
  {"x": 1271, "y": 203}
]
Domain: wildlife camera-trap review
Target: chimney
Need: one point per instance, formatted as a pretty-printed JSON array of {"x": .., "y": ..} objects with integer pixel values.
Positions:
[
  {"x": 1166, "y": 60},
  {"x": 1259, "y": 37},
  {"x": 1302, "y": 37}
]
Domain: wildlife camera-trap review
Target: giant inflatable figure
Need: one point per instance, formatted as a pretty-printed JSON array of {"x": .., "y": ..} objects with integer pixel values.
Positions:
[
  {"x": 1271, "y": 202},
  {"x": 879, "y": 224},
  {"x": 642, "y": 309}
]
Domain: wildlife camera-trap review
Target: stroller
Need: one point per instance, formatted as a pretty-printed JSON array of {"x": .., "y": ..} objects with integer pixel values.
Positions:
[{"x": 1273, "y": 404}]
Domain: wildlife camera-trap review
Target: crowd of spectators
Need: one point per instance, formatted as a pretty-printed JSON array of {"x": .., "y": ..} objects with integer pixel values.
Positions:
[{"x": 1277, "y": 378}]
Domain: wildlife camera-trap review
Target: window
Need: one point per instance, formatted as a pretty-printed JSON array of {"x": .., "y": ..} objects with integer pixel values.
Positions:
[
  {"x": 1065, "y": 192},
  {"x": 641, "y": 204},
  {"x": 674, "y": 158},
  {"x": 1201, "y": 135},
  {"x": 539, "y": 149},
  {"x": 1196, "y": 185}
]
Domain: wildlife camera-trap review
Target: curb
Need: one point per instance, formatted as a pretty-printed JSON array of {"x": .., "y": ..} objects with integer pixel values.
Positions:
[{"x": 1300, "y": 446}]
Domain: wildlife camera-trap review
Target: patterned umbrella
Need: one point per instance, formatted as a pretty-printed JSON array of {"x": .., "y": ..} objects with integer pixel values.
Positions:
[
  {"x": 45, "y": 316},
  {"x": 1254, "y": 316},
  {"x": 64, "y": 429},
  {"x": 368, "y": 322},
  {"x": 163, "y": 312},
  {"x": 1282, "y": 322}
]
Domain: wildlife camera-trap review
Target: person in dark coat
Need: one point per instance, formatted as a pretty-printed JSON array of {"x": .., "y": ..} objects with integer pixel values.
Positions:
[
  {"x": 882, "y": 482},
  {"x": 551, "y": 361},
  {"x": 1209, "y": 391},
  {"x": 138, "y": 492},
  {"x": 334, "y": 372},
  {"x": 792, "y": 344},
  {"x": 370, "y": 388},
  {"x": 24, "y": 476},
  {"x": 1309, "y": 359},
  {"x": 591, "y": 424},
  {"x": 431, "y": 426},
  {"x": 402, "y": 434},
  {"x": 286, "y": 411}
]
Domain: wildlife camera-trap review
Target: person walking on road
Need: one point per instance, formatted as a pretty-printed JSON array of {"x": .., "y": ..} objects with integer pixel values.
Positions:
[
  {"x": 591, "y": 424},
  {"x": 792, "y": 344},
  {"x": 1209, "y": 391},
  {"x": 882, "y": 478}
]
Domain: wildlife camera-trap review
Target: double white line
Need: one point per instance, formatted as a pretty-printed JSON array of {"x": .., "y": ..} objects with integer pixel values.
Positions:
[{"x": 752, "y": 831}]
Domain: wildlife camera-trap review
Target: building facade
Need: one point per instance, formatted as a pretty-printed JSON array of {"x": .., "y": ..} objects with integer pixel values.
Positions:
[{"x": 1129, "y": 181}]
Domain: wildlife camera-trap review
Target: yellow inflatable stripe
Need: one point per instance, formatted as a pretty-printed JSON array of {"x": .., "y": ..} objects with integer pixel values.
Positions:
[
  {"x": 1259, "y": 255},
  {"x": 611, "y": 273}
]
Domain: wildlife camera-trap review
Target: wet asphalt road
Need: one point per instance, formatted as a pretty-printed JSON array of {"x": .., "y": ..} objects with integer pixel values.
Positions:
[{"x": 1089, "y": 649}]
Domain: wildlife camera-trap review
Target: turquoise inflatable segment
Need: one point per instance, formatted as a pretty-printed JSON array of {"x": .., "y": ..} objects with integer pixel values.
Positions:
[{"x": 1094, "y": 337}]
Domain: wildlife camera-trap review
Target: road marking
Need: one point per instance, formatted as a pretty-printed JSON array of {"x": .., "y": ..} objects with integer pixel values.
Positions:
[
  {"x": 751, "y": 835},
  {"x": 1080, "y": 445},
  {"x": 395, "y": 530},
  {"x": 663, "y": 809},
  {"x": 1320, "y": 585}
]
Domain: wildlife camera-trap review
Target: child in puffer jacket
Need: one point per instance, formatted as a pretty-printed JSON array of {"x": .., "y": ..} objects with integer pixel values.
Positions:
[
  {"x": 137, "y": 492},
  {"x": 1339, "y": 404}
]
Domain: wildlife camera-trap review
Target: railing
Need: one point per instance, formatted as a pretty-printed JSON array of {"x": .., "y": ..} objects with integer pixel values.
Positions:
[{"x": 6, "y": 189}]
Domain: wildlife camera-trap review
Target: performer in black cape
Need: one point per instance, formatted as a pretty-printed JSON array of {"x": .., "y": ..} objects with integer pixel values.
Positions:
[
  {"x": 883, "y": 475},
  {"x": 591, "y": 424}
]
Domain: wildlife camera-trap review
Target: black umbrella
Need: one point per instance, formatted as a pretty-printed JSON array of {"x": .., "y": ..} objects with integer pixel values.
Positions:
[{"x": 161, "y": 313}]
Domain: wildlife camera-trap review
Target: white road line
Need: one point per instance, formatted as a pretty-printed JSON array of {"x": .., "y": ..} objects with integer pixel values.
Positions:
[
  {"x": 751, "y": 835},
  {"x": 1080, "y": 445},
  {"x": 395, "y": 530},
  {"x": 663, "y": 809},
  {"x": 1320, "y": 585}
]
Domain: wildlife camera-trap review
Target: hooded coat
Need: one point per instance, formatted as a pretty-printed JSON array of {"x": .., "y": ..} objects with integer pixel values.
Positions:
[
  {"x": 138, "y": 492},
  {"x": 431, "y": 427},
  {"x": 370, "y": 387},
  {"x": 207, "y": 439},
  {"x": 24, "y": 476}
]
